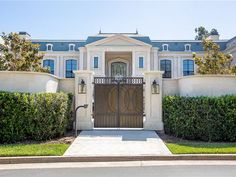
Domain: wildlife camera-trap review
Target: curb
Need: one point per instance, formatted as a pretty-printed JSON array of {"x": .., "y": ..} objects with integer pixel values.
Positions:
[{"x": 55, "y": 159}]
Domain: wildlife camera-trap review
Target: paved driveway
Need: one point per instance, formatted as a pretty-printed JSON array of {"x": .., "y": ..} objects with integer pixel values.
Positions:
[{"x": 117, "y": 143}]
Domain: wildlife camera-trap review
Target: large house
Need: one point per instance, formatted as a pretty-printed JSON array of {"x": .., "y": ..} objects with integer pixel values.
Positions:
[
  {"x": 125, "y": 54},
  {"x": 122, "y": 76}
]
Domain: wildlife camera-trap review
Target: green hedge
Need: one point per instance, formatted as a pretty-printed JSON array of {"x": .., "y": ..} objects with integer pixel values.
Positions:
[
  {"x": 200, "y": 118},
  {"x": 40, "y": 116}
]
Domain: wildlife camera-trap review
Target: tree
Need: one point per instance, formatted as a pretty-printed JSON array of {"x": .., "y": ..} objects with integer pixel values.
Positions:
[
  {"x": 214, "y": 61},
  {"x": 19, "y": 54},
  {"x": 214, "y": 32},
  {"x": 202, "y": 33}
]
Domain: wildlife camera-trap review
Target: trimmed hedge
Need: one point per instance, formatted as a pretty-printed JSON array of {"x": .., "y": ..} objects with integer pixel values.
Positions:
[
  {"x": 25, "y": 116},
  {"x": 200, "y": 118}
]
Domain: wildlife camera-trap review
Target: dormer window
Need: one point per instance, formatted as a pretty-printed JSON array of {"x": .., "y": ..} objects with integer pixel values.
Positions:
[
  {"x": 187, "y": 47},
  {"x": 165, "y": 47},
  {"x": 49, "y": 47},
  {"x": 71, "y": 47}
]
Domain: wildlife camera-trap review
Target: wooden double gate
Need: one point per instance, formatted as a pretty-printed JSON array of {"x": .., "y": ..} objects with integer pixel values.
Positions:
[{"x": 118, "y": 102}]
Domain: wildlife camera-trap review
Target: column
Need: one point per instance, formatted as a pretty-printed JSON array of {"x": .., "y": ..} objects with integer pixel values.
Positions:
[
  {"x": 84, "y": 116},
  {"x": 103, "y": 62},
  {"x": 88, "y": 60},
  {"x": 81, "y": 58},
  {"x": 148, "y": 60},
  {"x": 153, "y": 102},
  {"x": 133, "y": 64},
  {"x": 155, "y": 58},
  {"x": 57, "y": 66}
]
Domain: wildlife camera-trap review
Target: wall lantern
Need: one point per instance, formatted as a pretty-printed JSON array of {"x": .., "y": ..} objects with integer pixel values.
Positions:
[
  {"x": 82, "y": 87},
  {"x": 155, "y": 87}
]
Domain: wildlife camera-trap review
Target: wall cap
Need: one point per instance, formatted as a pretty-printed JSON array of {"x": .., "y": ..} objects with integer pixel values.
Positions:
[
  {"x": 83, "y": 72},
  {"x": 153, "y": 72},
  {"x": 30, "y": 72},
  {"x": 207, "y": 75}
]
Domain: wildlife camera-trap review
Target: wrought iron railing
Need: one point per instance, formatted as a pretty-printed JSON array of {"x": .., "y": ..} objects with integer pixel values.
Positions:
[{"x": 120, "y": 80}]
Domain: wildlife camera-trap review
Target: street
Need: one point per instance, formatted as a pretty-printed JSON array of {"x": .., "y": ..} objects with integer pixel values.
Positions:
[{"x": 123, "y": 169}]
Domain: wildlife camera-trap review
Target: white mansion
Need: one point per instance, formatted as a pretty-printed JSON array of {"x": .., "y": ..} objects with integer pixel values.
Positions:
[
  {"x": 121, "y": 77},
  {"x": 126, "y": 54}
]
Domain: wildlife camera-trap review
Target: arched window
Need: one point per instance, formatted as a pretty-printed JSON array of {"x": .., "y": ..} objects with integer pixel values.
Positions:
[
  {"x": 71, "y": 65},
  {"x": 49, "y": 47},
  {"x": 166, "y": 67},
  {"x": 187, "y": 47},
  {"x": 165, "y": 47},
  {"x": 71, "y": 47},
  {"x": 50, "y": 64},
  {"x": 188, "y": 67}
]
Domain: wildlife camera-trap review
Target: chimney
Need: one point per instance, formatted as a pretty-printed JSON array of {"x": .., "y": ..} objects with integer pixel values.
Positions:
[
  {"x": 24, "y": 34},
  {"x": 214, "y": 37}
]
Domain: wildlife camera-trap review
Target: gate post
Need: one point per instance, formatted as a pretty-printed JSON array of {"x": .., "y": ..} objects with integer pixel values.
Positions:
[
  {"x": 84, "y": 116},
  {"x": 153, "y": 101}
]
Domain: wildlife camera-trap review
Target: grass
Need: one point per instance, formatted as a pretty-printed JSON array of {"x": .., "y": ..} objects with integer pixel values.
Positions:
[
  {"x": 33, "y": 149},
  {"x": 201, "y": 148}
]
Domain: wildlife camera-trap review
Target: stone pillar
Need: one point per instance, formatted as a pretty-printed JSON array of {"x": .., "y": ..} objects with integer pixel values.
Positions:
[
  {"x": 153, "y": 102},
  {"x": 84, "y": 116}
]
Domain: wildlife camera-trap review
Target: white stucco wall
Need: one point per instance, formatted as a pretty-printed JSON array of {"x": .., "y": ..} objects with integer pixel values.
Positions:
[
  {"x": 67, "y": 85},
  {"x": 32, "y": 82},
  {"x": 207, "y": 85},
  {"x": 170, "y": 87}
]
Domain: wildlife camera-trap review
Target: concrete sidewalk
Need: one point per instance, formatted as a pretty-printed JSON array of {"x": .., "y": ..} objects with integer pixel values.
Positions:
[{"x": 117, "y": 143}]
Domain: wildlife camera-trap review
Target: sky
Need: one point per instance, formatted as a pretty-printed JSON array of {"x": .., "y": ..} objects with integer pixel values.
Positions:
[{"x": 160, "y": 20}]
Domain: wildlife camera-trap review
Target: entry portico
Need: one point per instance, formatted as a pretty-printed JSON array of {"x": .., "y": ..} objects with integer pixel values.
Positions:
[{"x": 117, "y": 48}]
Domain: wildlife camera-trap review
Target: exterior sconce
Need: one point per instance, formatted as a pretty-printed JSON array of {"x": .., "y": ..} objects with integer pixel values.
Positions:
[
  {"x": 155, "y": 87},
  {"x": 82, "y": 87}
]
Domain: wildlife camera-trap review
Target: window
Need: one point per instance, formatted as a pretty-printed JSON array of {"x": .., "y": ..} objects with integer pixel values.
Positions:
[
  {"x": 49, "y": 47},
  {"x": 187, "y": 47},
  {"x": 166, "y": 67},
  {"x": 49, "y": 64},
  {"x": 140, "y": 62},
  {"x": 165, "y": 47},
  {"x": 95, "y": 62},
  {"x": 71, "y": 47},
  {"x": 70, "y": 66},
  {"x": 188, "y": 67}
]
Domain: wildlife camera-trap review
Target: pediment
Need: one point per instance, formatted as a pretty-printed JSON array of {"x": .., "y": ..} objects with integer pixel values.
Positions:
[{"x": 118, "y": 40}]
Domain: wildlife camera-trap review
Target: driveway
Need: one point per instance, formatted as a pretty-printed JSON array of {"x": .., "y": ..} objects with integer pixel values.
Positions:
[{"x": 117, "y": 143}]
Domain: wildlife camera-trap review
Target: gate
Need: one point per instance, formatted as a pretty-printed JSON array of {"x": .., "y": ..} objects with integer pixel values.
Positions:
[{"x": 118, "y": 102}]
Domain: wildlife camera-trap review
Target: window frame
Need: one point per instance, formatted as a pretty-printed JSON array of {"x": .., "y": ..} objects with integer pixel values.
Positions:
[
  {"x": 49, "y": 45},
  {"x": 165, "y": 45},
  {"x": 188, "y": 72},
  {"x": 165, "y": 75},
  {"x": 185, "y": 47},
  {"x": 52, "y": 71},
  {"x": 72, "y": 45},
  {"x": 95, "y": 57},
  {"x": 139, "y": 58},
  {"x": 71, "y": 70}
]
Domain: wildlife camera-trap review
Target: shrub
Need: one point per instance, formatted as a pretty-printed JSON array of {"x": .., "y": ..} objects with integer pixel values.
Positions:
[
  {"x": 40, "y": 116},
  {"x": 200, "y": 118}
]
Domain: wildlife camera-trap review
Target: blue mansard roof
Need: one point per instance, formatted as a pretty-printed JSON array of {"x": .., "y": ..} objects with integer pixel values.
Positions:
[
  {"x": 173, "y": 45},
  {"x": 179, "y": 45},
  {"x": 59, "y": 45}
]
